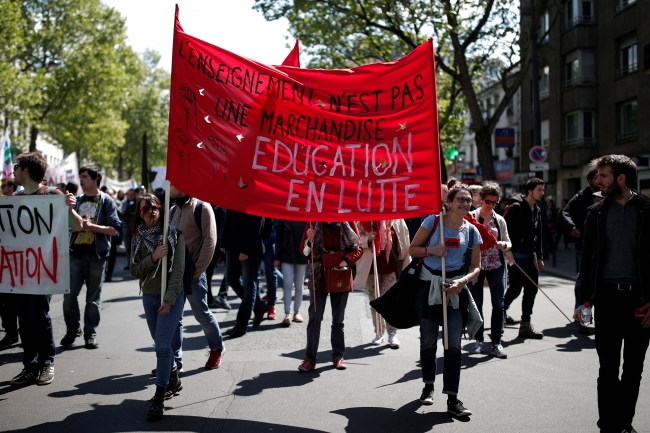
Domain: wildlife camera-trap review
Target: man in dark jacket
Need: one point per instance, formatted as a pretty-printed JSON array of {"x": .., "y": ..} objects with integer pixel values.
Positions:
[
  {"x": 616, "y": 278},
  {"x": 574, "y": 215},
  {"x": 242, "y": 244},
  {"x": 524, "y": 220}
]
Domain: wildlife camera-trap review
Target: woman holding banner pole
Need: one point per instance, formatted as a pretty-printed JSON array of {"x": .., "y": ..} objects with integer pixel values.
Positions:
[
  {"x": 163, "y": 309},
  {"x": 449, "y": 257}
]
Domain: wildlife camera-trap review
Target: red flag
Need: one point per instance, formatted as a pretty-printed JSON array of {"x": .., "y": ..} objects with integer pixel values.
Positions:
[
  {"x": 304, "y": 144},
  {"x": 293, "y": 59}
]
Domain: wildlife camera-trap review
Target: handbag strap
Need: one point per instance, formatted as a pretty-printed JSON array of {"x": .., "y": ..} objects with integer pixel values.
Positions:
[{"x": 435, "y": 226}]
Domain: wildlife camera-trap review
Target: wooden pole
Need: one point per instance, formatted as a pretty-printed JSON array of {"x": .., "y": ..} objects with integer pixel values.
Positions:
[
  {"x": 378, "y": 317},
  {"x": 165, "y": 232},
  {"x": 444, "y": 277}
]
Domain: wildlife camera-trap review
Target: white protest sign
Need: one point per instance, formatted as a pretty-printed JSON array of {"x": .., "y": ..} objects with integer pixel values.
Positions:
[
  {"x": 117, "y": 185},
  {"x": 34, "y": 252},
  {"x": 161, "y": 175},
  {"x": 67, "y": 171}
]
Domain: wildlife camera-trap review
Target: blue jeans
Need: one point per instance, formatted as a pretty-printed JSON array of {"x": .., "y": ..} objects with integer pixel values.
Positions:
[
  {"x": 161, "y": 327},
  {"x": 294, "y": 277},
  {"x": 429, "y": 327},
  {"x": 247, "y": 289},
  {"x": 274, "y": 277},
  {"x": 199, "y": 302},
  {"x": 576, "y": 289},
  {"x": 90, "y": 270},
  {"x": 35, "y": 330},
  {"x": 497, "y": 290}
]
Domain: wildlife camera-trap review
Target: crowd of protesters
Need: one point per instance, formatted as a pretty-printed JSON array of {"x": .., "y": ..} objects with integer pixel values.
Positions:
[{"x": 488, "y": 239}]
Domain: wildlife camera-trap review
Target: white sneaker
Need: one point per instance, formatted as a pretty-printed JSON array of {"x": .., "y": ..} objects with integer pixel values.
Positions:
[
  {"x": 379, "y": 338},
  {"x": 392, "y": 339},
  {"x": 478, "y": 347}
]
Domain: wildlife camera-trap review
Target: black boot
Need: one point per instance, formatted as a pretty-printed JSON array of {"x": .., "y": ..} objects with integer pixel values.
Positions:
[
  {"x": 174, "y": 386},
  {"x": 157, "y": 406}
]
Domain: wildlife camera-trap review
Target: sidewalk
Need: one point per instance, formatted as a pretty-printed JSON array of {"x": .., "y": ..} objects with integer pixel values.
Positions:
[{"x": 565, "y": 264}]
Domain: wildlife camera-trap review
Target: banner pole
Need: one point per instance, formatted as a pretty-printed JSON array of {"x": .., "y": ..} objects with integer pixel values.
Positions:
[
  {"x": 313, "y": 280},
  {"x": 444, "y": 277},
  {"x": 163, "y": 286},
  {"x": 380, "y": 327}
]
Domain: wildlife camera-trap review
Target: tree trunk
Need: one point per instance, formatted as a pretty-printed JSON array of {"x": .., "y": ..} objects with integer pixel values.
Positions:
[
  {"x": 33, "y": 134},
  {"x": 483, "y": 141}
]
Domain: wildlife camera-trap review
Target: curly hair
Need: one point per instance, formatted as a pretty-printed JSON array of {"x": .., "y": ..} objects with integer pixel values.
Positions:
[
  {"x": 35, "y": 165},
  {"x": 490, "y": 188},
  {"x": 620, "y": 164},
  {"x": 455, "y": 189}
]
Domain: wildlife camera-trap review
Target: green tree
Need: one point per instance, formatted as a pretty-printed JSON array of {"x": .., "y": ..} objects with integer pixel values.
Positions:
[
  {"x": 470, "y": 35},
  {"x": 74, "y": 55},
  {"x": 147, "y": 111}
]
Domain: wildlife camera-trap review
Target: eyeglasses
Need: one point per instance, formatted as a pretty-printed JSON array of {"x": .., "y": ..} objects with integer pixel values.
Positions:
[
  {"x": 463, "y": 200},
  {"x": 16, "y": 166},
  {"x": 486, "y": 201},
  {"x": 145, "y": 209}
]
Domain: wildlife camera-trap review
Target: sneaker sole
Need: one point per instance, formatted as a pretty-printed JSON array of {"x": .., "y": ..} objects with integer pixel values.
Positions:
[
  {"x": 394, "y": 346},
  {"x": 463, "y": 413},
  {"x": 305, "y": 370},
  {"x": 45, "y": 382},
  {"x": 426, "y": 402},
  {"x": 180, "y": 388}
]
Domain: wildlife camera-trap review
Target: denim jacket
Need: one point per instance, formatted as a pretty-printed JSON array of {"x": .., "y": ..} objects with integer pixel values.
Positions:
[{"x": 106, "y": 216}]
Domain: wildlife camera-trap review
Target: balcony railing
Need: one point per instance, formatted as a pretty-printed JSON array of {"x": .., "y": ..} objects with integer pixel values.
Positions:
[
  {"x": 578, "y": 20},
  {"x": 621, "y": 5},
  {"x": 578, "y": 81},
  {"x": 579, "y": 142},
  {"x": 627, "y": 69},
  {"x": 623, "y": 137},
  {"x": 543, "y": 94}
]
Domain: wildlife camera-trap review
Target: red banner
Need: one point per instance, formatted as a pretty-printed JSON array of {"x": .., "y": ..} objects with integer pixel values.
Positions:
[{"x": 304, "y": 144}]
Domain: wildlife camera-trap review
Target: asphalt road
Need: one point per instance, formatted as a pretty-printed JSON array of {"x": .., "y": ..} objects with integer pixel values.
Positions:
[{"x": 546, "y": 385}]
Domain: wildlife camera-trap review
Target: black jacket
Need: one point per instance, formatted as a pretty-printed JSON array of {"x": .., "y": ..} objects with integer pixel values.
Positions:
[
  {"x": 242, "y": 233},
  {"x": 575, "y": 212},
  {"x": 287, "y": 242},
  {"x": 526, "y": 236},
  {"x": 593, "y": 249}
]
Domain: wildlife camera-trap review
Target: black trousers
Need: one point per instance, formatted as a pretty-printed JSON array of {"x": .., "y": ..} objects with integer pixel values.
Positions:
[
  {"x": 518, "y": 281},
  {"x": 8, "y": 314},
  {"x": 615, "y": 324},
  {"x": 36, "y": 331}
]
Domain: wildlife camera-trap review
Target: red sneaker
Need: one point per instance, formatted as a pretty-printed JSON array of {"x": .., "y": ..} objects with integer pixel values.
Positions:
[
  {"x": 339, "y": 363},
  {"x": 271, "y": 315},
  {"x": 306, "y": 365},
  {"x": 214, "y": 361}
]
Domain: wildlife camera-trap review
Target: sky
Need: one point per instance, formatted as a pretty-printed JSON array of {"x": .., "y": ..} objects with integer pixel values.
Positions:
[{"x": 229, "y": 24}]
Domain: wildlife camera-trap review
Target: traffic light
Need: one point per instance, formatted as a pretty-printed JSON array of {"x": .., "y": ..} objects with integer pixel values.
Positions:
[{"x": 452, "y": 153}]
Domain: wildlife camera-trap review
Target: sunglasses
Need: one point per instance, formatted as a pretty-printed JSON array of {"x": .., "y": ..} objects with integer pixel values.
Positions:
[
  {"x": 16, "y": 166},
  {"x": 145, "y": 209},
  {"x": 486, "y": 201},
  {"x": 463, "y": 200}
]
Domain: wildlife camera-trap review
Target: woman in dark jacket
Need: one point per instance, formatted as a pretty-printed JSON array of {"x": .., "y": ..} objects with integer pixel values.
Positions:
[
  {"x": 162, "y": 315},
  {"x": 293, "y": 265},
  {"x": 321, "y": 239}
]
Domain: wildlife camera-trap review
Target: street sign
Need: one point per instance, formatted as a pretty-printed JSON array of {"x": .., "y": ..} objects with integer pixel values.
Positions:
[
  {"x": 537, "y": 154},
  {"x": 503, "y": 171},
  {"x": 539, "y": 166},
  {"x": 504, "y": 137}
]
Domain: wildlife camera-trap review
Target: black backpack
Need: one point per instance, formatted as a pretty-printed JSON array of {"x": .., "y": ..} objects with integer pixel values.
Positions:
[{"x": 190, "y": 266}]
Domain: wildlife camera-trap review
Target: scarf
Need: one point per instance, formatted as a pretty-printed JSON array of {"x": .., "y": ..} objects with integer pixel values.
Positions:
[
  {"x": 489, "y": 240},
  {"x": 349, "y": 242},
  {"x": 152, "y": 238}
]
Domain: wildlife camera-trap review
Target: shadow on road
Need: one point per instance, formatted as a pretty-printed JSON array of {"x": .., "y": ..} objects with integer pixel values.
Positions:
[
  {"x": 381, "y": 419},
  {"x": 124, "y": 299},
  {"x": 110, "y": 385},
  {"x": 274, "y": 379},
  {"x": 130, "y": 416}
]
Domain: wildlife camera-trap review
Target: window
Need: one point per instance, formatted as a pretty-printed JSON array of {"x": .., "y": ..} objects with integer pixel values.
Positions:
[
  {"x": 544, "y": 26},
  {"x": 578, "y": 12},
  {"x": 544, "y": 82},
  {"x": 546, "y": 140},
  {"x": 628, "y": 56},
  {"x": 580, "y": 129},
  {"x": 621, "y": 5},
  {"x": 579, "y": 69},
  {"x": 628, "y": 121}
]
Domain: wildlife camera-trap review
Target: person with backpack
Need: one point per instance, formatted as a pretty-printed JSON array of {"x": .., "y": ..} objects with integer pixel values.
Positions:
[
  {"x": 293, "y": 263},
  {"x": 35, "y": 325},
  {"x": 461, "y": 238},
  {"x": 162, "y": 315},
  {"x": 195, "y": 220},
  {"x": 525, "y": 227},
  {"x": 493, "y": 264}
]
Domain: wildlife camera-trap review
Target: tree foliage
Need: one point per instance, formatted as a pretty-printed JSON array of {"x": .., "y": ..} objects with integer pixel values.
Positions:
[{"x": 471, "y": 37}]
